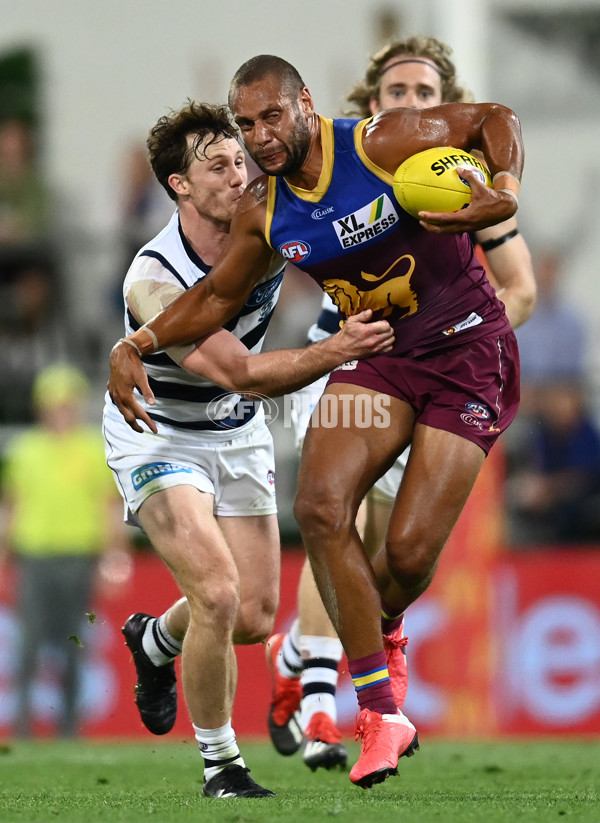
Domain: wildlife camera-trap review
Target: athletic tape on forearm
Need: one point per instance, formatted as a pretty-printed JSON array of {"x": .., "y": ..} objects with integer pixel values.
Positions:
[
  {"x": 507, "y": 174},
  {"x": 508, "y": 185},
  {"x": 152, "y": 336},
  {"x": 131, "y": 343},
  {"x": 512, "y": 193}
]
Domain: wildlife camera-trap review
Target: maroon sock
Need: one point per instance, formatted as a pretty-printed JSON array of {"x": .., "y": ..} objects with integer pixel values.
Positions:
[
  {"x": 372, "y": 683},
  {"x": 391, "y": 618}
]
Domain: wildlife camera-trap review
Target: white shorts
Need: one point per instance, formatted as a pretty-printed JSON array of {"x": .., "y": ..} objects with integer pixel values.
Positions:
[
  {"x": 237, "y": 467},
  {"x": 304, "y": 401},
  {"x": 386, "y": 488}
]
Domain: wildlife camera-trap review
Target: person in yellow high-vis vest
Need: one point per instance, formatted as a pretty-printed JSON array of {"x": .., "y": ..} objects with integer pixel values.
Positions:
[{"x": 61, "y": 513}]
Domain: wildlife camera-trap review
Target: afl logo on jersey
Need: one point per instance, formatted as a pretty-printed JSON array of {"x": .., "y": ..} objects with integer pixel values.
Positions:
[
  {"x": 294, "y": 250},
  {"x": 477, "y": 410}
]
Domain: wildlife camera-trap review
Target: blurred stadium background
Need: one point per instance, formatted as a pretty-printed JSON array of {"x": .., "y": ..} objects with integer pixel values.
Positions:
[{"x": 506, "y": 641}]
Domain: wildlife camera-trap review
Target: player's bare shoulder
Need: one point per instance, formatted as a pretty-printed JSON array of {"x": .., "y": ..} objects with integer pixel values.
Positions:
[
  {"x": 387, "y": 137},
  {"x": 250, "y": 216},
  {"x": 248, "y": 224},
  {"x": 255, "y": 195}
]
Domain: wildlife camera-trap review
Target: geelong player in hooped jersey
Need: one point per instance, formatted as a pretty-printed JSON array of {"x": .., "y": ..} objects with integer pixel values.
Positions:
[
  {"x": 450, "y": 386},
  {"x": 201, "y": 483},
  {"x": 169, "y": 264}
]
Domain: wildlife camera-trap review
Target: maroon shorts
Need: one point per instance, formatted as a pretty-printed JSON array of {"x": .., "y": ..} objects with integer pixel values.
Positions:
[{"x": 471, "y": 390}]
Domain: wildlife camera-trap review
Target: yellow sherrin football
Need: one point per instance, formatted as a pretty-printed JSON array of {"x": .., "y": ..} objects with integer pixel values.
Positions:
[{"x": 431, "y": 181}]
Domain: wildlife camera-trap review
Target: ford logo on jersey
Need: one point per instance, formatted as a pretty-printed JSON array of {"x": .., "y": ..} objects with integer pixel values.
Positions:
[{"x": 294, "y": 250}]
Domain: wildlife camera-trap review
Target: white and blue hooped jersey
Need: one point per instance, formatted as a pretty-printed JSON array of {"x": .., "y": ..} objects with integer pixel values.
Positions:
[{"x": 184, "y": 400}]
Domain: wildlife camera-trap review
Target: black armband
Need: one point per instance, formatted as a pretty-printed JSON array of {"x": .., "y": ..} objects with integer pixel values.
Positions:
[{"x": 488, "y": 245}]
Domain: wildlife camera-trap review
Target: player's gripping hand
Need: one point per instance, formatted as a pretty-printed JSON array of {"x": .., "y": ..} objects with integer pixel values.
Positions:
[
  {"x": 126, "y": 373},
  {"x": 487, "y": 207},
  {"x": 361, "y": 338}
]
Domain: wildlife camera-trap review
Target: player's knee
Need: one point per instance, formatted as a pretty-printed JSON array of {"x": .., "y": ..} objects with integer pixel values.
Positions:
[
  {"x": 318, "y": 514},
  {"x": 301, "y": 509},
  {"x": 216, "y": 605},
  {"x": 410, "y": 564},
  {"x": 254, "y": 623}
]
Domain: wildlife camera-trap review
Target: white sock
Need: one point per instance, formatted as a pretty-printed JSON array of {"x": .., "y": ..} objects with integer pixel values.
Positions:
[
  {"x": 219, "y": 748},
  {"x": 289, "y": 660},
  {"x": 158, "y": 643},
  {"x": 320, "y": 656}
]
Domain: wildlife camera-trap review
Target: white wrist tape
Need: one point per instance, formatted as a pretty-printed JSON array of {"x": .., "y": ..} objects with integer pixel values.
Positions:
[{"x": 132, "y": 344}]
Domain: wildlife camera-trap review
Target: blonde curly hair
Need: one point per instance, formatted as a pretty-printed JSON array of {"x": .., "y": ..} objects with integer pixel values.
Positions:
[{"x": 427, "y": 47}]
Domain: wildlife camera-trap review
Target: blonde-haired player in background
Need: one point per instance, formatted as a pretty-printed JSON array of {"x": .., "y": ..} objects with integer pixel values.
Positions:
[{"x": 416, "y": 73}]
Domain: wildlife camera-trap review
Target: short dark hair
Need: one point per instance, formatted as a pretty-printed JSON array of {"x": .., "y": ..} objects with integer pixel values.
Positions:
[
  {"x": 267, "y": 65},
  {"x": 168, "y": 150},
  {"x": 428, "y": 47}
]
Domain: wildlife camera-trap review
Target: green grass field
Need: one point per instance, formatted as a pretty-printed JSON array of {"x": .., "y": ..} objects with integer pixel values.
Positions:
[{"x": 81, "y": 781}]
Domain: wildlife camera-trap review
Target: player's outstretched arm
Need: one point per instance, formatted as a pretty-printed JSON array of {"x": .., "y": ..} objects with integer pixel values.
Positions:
[
  {"x": 223, "y": 359},
  {"x": 511, "y": 270}
]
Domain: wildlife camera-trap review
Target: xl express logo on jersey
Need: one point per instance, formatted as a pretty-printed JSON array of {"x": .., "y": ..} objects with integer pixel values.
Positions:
[{"x": 366, "y": 223}]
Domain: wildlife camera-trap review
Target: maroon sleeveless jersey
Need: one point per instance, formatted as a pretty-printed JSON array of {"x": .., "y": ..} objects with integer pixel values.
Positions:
[{"x": 353, "y": 238}]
